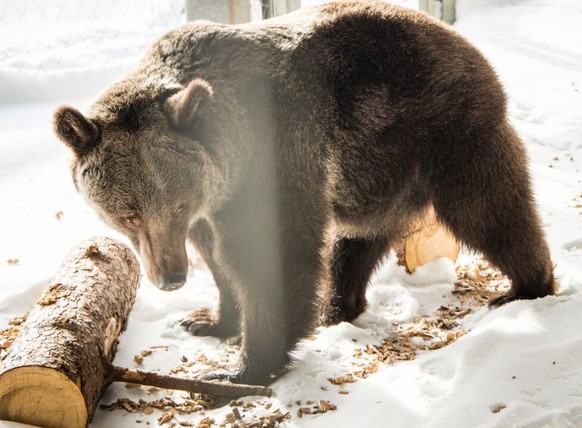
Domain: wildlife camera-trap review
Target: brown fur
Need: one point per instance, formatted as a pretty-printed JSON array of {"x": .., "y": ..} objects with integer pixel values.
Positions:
[{"x": 294, "y": 151}]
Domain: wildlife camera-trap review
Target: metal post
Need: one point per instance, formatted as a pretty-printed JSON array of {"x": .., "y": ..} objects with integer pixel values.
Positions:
[
  {"x": 428, "y": 7},
  {"x": 239, "y": 11},
  {"x": 281, "y": 7},
  {"x": 272, "y": 8},
  {"x": 268, "y": 11},
  {"x": 225, "y": 11},
  {"x": 441, "y": 9},
  {"x": 449, "y": 14}
]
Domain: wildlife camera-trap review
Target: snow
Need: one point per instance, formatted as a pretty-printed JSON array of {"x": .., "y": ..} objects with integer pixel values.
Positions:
[{"x": 516, "y": 366}]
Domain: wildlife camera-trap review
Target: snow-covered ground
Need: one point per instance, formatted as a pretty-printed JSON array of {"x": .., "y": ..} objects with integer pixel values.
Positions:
[{"x": 446, "y": 359}]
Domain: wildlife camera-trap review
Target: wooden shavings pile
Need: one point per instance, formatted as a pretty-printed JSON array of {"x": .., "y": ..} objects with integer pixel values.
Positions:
[
  {"x": 479, "y": 282},
  {"x": 420, "y": 334},
  {"x": 202, "y": 364},
  {"x": 238, "y": 417},
  {"x": 171, "y": 409}
]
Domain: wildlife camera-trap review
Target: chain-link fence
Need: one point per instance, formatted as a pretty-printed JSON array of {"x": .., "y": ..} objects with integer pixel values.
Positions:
[
  {"x": 43, "y": 36},
  {"x": 40, "y": 36},
  {"x": 57, "y": 49},
  {"x": 60, "y": 49},
  {"x": 54, "y": 35}
]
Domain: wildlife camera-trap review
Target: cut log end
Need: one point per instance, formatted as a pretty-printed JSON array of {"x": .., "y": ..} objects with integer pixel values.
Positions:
[
  {"x": 428, "y": 244},
  {"x": 429, "y": 240},
  {"x": 41, "y": 396}
]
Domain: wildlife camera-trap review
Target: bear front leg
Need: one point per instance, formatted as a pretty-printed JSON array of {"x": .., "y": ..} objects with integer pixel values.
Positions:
[
  {"x": 226, "y": 323},
  {"x": 277, "y": 310},
  {"x": 278, "y": 269}
]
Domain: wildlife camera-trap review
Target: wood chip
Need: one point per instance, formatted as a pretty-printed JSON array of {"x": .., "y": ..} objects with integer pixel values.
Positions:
[
  {"x": 325, "y": 406},
  {"x": 236, "y": 413},
  {"x": 499, "y": 408},
  {"x": 165, "y": 417},
  {"x": 133, "y": 376},
  {"x": 303, "y": 411},
  {"x": 340, "y": 380},
  {"x": 92, "y": 251},
  {"x": 205, "y": 423},
  {"x": 50, "y": 297}
]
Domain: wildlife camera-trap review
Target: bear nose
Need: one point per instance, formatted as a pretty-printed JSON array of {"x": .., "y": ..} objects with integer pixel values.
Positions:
[{"x": 171, "y": 282}]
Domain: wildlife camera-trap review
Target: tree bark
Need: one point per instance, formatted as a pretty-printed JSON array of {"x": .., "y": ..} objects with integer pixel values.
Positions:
[{"x": 57, "y": 367}]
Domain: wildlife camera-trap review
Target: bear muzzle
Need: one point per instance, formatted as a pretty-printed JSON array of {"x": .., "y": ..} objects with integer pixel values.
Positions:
[
  {"x": 171, "y": 282},
  {"x": 164, "y": 258}
]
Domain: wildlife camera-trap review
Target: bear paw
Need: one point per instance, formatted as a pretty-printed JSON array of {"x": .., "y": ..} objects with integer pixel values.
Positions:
[
  {"x": 335, "y": 315},
  {"x": 241, "y": 377},
  {"x": 201, "y": 323}
]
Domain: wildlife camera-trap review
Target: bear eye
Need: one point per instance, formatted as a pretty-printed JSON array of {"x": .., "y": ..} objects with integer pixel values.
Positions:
[
  {"x": 180, "y": 209},
  {"x": 132, "y": 221}
]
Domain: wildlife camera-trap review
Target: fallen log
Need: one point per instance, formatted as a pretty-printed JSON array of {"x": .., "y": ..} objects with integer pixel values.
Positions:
[
  {"x": 56, "y": 369},
  {"x": 59, "y": 364}
]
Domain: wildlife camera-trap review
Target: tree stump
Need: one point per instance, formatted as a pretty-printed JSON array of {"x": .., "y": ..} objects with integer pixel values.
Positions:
[{"x": 57, "y": 367}]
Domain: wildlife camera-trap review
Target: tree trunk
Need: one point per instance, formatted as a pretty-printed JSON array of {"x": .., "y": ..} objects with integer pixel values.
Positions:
[{"x": 56, "y": 369}]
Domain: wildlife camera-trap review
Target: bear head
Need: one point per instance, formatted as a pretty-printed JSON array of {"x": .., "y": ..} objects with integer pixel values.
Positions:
[{"x": 139, "y": 163}]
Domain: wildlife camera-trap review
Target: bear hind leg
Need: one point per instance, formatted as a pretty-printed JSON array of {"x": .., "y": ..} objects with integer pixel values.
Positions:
[
  {"x": 353, "y": 261},
  {"x": 486, "y": 200}
]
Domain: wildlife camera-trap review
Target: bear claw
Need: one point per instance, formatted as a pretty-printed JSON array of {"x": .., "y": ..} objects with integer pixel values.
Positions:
[{"x": 502, "y": 300}]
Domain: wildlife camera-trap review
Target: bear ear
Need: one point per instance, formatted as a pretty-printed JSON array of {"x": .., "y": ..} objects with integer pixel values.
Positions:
[
  {"x": 186, "y": 104},
  {"x": 75, "y": 130}
]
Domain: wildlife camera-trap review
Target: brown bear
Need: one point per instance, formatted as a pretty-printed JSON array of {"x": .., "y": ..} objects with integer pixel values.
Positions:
[{"x": 293, "y": 152}]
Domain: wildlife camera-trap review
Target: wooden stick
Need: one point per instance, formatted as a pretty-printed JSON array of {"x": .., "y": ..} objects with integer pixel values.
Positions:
[{"x": 218, "y": 389}]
